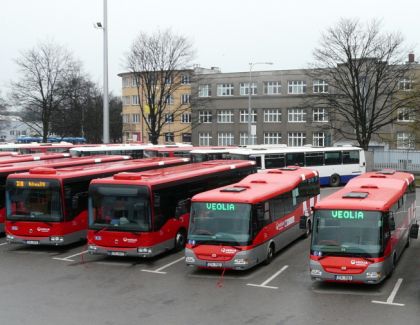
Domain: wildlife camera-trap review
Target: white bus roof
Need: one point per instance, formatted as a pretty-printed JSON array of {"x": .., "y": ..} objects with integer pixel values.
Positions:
[{"x": 262, "y": 150}]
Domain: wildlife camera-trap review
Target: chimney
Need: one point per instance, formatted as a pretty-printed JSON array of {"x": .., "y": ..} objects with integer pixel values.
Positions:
[{"x": 411, "y": 58}]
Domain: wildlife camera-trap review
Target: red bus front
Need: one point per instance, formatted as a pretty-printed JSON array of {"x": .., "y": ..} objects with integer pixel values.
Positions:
[
  {"x": 123, "y": 222},
  {"x": 39, "y": 213}
]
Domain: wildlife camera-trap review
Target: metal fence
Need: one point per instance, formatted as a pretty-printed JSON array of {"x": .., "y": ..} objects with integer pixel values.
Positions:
[{"x": 403, "y": 160}]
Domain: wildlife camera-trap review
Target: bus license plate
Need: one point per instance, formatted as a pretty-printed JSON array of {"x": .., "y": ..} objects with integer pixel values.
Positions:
[
  {"x": 32, "y": 242},
  {"x": 214, "y": 264},
  {"x": 116, "y": 253},
  {"x": 344, "y": 277}
]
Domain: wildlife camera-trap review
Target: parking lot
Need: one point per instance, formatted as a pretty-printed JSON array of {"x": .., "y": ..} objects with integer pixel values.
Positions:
[{"x": 49, "y": 285}]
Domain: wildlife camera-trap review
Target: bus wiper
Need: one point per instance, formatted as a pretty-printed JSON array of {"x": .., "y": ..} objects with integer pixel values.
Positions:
[
  {"x": 360, "y": 255},
  {"x": 326, "y": 254},
  {"x": 101, "y": 229}
]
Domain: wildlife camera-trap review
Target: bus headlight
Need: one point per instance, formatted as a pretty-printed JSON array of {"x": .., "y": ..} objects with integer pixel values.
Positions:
[
  {"x": 144, "y": 250},
  {"x": 373, "y": 275},
  {"x": 10, "y": 237},
  {"x": 190, "y": 259},
  {"x": 57, "y": 239},
  {"x": 92, "y": 248},
  {"x": 316, "y": 272},
  {"x": 240, "y": 261}
]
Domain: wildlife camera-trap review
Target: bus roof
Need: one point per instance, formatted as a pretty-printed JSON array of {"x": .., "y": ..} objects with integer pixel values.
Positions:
[
  {"x": 36, "y": 145},
  {"x": 105, "y": 168},
  {"x": 172, "y": 174},
  {"x": 6, "y": 169},
  {"x": 272, "y": 150},
  {"x": 258, "y": 187},
  {"x": 7, "y": 159},
  {"x": 125, "y": 146},
  {"x": 169, "y": 149},
  {"x": 368, "y": 193}
]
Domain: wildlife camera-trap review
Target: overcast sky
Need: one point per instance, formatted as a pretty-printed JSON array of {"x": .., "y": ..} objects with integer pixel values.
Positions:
[{"x": 226, "y": 33}]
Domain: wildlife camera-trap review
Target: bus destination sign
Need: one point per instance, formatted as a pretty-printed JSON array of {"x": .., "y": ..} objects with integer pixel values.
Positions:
[
  {"x": 37, "y": 184},
  {"x": 220, "y": 206},
  {"x": 347, "y": 214}
]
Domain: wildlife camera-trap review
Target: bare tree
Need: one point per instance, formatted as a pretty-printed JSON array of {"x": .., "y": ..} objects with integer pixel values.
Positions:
[
  {"x": 44, "y": 74},
  {"x": 158, "y": 62},
  {"x": 365, "y": 71}
]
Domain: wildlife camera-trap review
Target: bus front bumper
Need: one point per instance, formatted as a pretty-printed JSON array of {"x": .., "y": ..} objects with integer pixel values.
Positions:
[
  {"x": 242, "y": 260},
  {"x": 54, "y": 240},
  {"x": 373, "y": 274}
]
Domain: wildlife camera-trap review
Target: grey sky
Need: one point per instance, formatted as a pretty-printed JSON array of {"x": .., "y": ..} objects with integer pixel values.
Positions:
[{"x": 226, "y": 33}]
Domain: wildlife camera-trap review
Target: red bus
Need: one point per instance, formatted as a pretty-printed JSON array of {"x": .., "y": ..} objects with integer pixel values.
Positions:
[
  {"x": 145, "y": 214},
  {"x": 26, "y": 148},
  {"x": 20, "y": 167},
  {"x": 244, "y": 224},
  {"x": 360, "y": 231},
  {"x": 47, "y": 206},
  {"x": 13, "y": 158}
]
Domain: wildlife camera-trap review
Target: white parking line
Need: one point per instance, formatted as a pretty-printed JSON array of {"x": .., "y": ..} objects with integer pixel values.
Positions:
[
  {"x": 159, "y": 270},
  {"x": 264, "y": 284},
  {"x": 2, "y": 244},
  {"x": 390, "y": 300},
  {"x": 68, "y": 258}
]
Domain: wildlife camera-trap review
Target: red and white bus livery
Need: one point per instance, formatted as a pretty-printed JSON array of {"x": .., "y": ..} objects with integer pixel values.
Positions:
[
  {"x": 145, "y": 214},
  {"x": 20, "y": 167},
  {"x": 244, "y": 224},
  {"x": 47, "y": 206},
  {"x": 360, "y": 231}
]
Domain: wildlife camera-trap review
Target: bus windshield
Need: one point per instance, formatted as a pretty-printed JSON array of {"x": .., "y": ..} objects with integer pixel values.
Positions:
[
  {"x": 119, "y": 208},
  {"x": 347, "y": 232},
  {"x": 34, "y": 200},
  {"x": 220, "y": 223}
]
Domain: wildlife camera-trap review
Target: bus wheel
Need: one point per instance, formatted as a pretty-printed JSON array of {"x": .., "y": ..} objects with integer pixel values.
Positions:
[
  {"x": 308, "y": 229},
  {"x": 408, "y": 241},
  {"x": 394, "y": 263},
  {"x": 270, "y": 254},
  {"x": 334, "y": 180},
  {"x": 180, "y": 240}
]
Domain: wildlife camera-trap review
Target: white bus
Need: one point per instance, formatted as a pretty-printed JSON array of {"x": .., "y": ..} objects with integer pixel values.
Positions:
[
  {"x": 335, "y": 165},
  {"x": 133, "y": 150}
]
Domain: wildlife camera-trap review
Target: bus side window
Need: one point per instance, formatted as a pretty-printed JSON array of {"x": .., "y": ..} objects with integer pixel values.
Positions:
[{"x": 76, "y": 198}]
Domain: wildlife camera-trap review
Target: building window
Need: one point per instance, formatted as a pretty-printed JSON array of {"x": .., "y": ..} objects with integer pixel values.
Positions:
[
  {"x": 185, "y": 79},
  {"x": 135, "y": 118},
  {"x": 169, "y": 100},
  {"x": 272, "y": 88},
  {"x": 204, "y": 90},
  {"x": 204, "y": 138},
  {"x": 405, "y": 84},
  {"x": 169, "y": 137},
  {"x": 225, "y": 90},
  {"x": 296, "y": 115},
  {"x": 126, "y": 100},
  {"x": 126, "y": 118},
  {"x": 406, "y": 114},
  {"x": 204, "y": 117},
  {"x": 319, "y": 115},
  {"x": 186, "y": 118},
  {"x": 405, "y": 140},
  {"x": 296, "y": 139},
  {"x": 125, "y": 82},
  {"x": 225, "y": 139},
  {"x": 272, "y": 115},
  {"x": 243, "y": 116},
  {"x": 168, "y": 80},
  {"x": 225, "y": 116},
  {"x": 169, "y": 118},
  {"x": 318, "y": 139},
  {"x": 186, "y": 137},
  {"x": 320, "y": 87},
  {"x": 134, "y": 100},
  {"x": 185, "y": 99},
  {"x": 12, "y": 132},
  {"x": 272, "y": 137},
  {"x": 133, "y": 82},
  {"x": 244, "y": 88},
  {"x": 296, "y": 87},
  {"x": 243, "y": 139}
]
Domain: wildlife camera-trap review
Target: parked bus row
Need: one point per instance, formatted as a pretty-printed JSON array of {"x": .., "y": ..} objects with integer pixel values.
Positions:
[{"x": 335, "y": 165}]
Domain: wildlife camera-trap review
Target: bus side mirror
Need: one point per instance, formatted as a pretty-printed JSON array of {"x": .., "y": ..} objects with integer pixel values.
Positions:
[
  {"x": 303, "y": 221},
  {"x": 178, "y": 212},
  {"x": 414, "y": 231},
  {"x": 392, "y": 223}
]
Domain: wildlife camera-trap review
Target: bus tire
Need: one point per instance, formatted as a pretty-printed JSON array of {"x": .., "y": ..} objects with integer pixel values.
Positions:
[
  {"x": 180, "y": 240},
  {"x": 308, "y": 229},
  {"x": 270, "y": 254},
  {"x": 334, "y": 180},
  {"x": 408, "y": 241},
  {"x": 394, "y": 263}
]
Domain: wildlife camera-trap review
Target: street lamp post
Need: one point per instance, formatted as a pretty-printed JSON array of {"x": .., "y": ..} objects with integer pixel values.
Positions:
[{"x": 251, "y": 65}]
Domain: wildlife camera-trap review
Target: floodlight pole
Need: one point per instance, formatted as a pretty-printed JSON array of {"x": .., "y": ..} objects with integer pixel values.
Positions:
[{"x": 105, "y": 99}]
